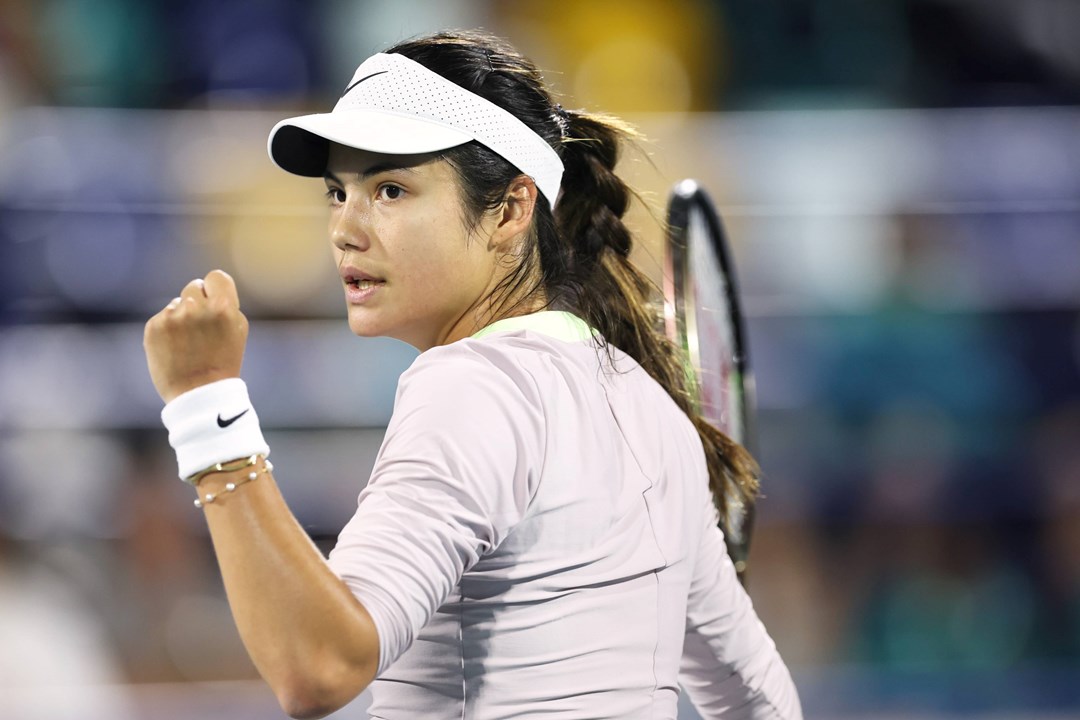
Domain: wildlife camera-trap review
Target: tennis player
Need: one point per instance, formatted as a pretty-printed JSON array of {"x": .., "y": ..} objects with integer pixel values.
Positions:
[{"x": 538, "y": 537}]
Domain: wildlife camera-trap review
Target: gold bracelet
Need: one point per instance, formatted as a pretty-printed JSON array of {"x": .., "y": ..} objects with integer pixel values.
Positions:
[
  {"x": 193, "y": 480},
  {"x": 208, "y": 498}
]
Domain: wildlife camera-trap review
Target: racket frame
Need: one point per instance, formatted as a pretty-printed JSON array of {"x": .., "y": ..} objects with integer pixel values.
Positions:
[{"x": 680, "y": 324}]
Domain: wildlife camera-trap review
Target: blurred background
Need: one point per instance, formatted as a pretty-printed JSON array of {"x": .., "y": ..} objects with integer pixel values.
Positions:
[{"x": 901, "y": 180}]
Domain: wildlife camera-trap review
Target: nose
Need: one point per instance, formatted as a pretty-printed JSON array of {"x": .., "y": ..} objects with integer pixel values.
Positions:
[{"x": 349, "y": 229}]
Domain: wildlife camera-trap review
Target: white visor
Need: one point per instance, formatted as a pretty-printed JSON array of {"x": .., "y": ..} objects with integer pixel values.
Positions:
[{"x": 397, "y": 106}]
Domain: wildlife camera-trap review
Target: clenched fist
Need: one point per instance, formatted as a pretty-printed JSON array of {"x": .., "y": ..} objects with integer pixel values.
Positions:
[{"x": 198, "y": 338}]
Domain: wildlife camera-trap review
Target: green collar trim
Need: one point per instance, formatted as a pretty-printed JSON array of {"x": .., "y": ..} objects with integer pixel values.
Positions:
[{"x": 558, "y": 324}]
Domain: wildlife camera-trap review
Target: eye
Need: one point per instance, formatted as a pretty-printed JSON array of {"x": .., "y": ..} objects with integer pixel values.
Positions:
[
  {"x": 387, "y": 191},
  {"x": 336, "y": 196}
]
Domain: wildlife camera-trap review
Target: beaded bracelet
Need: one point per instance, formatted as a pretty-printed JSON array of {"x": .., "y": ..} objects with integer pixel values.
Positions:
[
  {"x": 229, "y": 467},
  {"x": 194, "y": 479}
]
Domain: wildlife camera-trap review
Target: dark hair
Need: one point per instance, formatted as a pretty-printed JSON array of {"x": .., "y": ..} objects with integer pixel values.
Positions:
[{"x": 577, "y": 258}]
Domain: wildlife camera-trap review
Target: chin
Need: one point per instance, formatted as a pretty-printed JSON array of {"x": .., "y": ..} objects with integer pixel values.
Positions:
[
  {"x": 366, "y": 324},
  {"x": 369, "y": 327},
  {"x": 365, "y": 329}
]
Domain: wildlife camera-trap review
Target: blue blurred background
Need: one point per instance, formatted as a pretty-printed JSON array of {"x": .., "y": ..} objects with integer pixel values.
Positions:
[{"x": 901, "y": 179}]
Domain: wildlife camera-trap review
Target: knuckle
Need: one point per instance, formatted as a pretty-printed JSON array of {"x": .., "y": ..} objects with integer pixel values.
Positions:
[
  {"x": 176, "y": 320},
  {"x": 153, "y": 325}
]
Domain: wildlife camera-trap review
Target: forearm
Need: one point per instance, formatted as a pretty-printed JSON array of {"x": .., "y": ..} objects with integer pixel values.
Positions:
[
  {"x": 759, "y": 687},
  {"x": 730, "y": 666},
  {"x": 309, "y": 637},
  {"x": 311, "y": 640}
]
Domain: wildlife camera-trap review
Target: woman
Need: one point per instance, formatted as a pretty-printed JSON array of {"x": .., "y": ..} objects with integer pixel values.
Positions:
[{"x": 538, "y": 534}]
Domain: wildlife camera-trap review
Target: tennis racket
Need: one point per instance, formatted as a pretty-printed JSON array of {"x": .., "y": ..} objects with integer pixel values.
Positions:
[{"x": 703, "y": 316}]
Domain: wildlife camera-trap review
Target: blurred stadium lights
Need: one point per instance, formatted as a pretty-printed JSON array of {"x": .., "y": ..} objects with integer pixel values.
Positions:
[
  {"x": 313, "y": 374},
  {"x": 108, "y": 213}
]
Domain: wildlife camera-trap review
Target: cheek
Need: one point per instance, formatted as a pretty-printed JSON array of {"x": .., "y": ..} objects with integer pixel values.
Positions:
[
  {"x": 438, "y": 270},
  {"x": 435, "y": 251}
]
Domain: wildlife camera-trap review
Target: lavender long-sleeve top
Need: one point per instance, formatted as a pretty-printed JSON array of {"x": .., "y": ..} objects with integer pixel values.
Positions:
[{"x": 538, "y": 539}]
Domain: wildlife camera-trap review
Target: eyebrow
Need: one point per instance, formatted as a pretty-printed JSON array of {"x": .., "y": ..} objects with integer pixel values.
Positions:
[{"x": 371, "y": 171}]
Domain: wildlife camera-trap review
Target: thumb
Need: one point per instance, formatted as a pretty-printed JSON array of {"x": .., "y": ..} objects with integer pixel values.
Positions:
[{"x": 220, "y": 285}]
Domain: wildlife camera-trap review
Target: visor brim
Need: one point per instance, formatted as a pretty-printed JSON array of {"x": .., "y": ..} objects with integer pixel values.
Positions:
[{"x": 301, "y": 145}]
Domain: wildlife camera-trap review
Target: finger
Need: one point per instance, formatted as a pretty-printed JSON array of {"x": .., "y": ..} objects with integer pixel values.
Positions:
[
  {"x": 194, "y": 290},
  {"x": 219, "y": 284}
]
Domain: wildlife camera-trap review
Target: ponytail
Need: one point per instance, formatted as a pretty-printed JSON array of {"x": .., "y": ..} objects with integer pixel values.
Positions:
[
  {"x": 614, "y": 294},
  {"x": 577, "y": 257}
]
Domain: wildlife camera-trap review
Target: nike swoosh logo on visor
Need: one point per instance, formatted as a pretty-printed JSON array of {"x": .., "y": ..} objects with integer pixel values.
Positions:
[
  {"x": 366, "y": 77},
  {"x": 226, "y": 423}
]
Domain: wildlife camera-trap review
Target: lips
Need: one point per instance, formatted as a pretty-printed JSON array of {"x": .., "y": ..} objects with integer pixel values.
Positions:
[
  {"x": 360, "y": 284},
  {"x": 352, "y": 274}
]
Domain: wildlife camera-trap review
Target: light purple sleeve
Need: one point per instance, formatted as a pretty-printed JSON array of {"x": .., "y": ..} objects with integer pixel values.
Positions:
[
  {"x": 730, "y": 666},
  {"x": 455, "y": 473}
]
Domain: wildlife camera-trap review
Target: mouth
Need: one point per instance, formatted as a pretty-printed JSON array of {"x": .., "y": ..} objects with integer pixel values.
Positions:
[
  {"x": 359, "y": 279},
  {"x": 363, "y": 283},
  {"x": 359, "y": 286}
]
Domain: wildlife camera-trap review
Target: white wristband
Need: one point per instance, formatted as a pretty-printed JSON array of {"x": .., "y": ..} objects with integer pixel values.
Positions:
[{"x": 213, "y": 424}]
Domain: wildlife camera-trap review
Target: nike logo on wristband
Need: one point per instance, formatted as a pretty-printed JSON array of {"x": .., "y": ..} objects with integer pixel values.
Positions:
[{"x": 226, "y": 423}]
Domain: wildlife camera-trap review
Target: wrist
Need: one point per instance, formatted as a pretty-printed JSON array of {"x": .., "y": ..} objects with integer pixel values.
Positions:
[
  {"x": 191, "y": 384},
  {"x": 213, "y": 423},
  {"x": 223, "y": 479}
]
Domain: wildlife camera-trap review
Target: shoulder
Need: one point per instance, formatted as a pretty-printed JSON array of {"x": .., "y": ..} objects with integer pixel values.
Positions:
[
  {"x": 471, "y": 410},
  {"x": 496, "y": 353},
  {"x": 470, "y": 372}
]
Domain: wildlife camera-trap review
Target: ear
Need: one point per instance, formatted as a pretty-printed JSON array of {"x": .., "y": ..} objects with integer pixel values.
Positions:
[{"x": 516, "y": 212}]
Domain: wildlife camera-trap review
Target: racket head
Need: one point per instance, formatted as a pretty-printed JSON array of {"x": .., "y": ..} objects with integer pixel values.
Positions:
[{"x": 703, "y": 316}]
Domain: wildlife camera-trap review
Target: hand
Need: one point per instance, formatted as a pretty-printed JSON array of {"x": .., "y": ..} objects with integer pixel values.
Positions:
[{"x": 198, "y": 338}]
